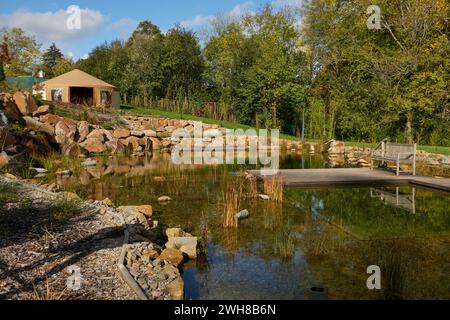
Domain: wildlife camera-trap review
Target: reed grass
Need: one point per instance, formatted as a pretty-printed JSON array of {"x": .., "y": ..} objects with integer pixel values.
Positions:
[
  {"x": 252, "y": 186},
  {"x": 273, "y": 187},
  {"x": 230, "y": 207},
  {"x": 285, "y": 246}
]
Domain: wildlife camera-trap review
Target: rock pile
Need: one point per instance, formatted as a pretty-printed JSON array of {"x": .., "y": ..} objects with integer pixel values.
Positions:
[
  {"x": 154, "y": 267},
  {"x": 333, "y": 147},
  {"x": 155, "y": 271},
  {"x": 70, "y": 137}
]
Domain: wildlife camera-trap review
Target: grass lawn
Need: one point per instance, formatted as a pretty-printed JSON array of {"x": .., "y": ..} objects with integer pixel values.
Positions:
[{"x": 232, "y": 125}]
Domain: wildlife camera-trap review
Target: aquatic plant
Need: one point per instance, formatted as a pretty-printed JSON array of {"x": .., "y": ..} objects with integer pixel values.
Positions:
[
  {"x": 230, "y": 207},
  {"x": 252, "y": 186},
  {"x": 285, "y": 245},
  {"x": 273, "y": 187}
]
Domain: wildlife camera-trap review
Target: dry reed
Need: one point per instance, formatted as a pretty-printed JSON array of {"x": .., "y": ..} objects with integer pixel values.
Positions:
[
  {"x": 230, "y": 200},
  {"x": 273, "y": 187}
]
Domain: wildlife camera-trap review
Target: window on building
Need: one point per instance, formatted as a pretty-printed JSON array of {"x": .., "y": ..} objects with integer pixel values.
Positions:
[
  {"x": 57, "y": 95},
  {"x": 105, "y": 98}
]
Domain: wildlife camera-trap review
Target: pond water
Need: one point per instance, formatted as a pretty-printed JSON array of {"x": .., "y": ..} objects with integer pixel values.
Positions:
[{"x": 316, "y": 244}]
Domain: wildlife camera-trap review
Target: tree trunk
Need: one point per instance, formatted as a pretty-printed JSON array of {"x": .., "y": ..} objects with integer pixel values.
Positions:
[{"x": 408, "y": 128}]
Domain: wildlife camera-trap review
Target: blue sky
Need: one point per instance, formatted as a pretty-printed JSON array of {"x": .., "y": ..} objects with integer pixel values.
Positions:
[{"x": 107, "y": 20}]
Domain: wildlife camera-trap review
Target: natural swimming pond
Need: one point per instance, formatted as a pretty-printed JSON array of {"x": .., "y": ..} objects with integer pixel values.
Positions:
[{"x": 315, "y": 244}]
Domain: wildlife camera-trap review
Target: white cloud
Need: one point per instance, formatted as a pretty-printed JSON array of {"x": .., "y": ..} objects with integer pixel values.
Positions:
[
  {"x": 52, "y": 25},
  {"x": 202, "y": 21},
  {"x": 287, "y": 3},
  {"x": 241, "y": 9},
  {"x": 123, "y": 27},
  {"x": 197, "y": 21},
  {"x": 124, "y": 23}
]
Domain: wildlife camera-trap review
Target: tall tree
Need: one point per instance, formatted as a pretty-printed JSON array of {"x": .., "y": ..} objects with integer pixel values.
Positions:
[
  {"x": 381, "y": 83},
  {"x": 24, "y": 52},
  {"x": 183, "y": 63},
  {"x": 144, "y": 74},
  {"x": 50, "y": 59},
  {"x": 63, "y": 65},
  {"x": 259, "y": 69}
]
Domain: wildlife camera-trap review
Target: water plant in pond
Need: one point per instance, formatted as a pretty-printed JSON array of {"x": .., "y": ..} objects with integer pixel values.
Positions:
[
  {"x": 252, "y": 186},
  {"x": 230, "y": 206},
  {"x": 273, "y": 186},
  {"x": 272, "y": 215},
  {"x": 316, "y": 236},
  {"x": 285, "y": 245}
]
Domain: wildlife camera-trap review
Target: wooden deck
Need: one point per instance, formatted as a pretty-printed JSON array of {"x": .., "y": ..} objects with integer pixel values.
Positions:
[{"x": 358, "y": 176}]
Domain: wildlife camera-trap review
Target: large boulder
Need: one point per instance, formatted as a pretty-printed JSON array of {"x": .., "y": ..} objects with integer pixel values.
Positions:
[
  {"x": 121, "y": 133},
  {"x": 137, "y": 133},
  {"x": 146, "y": 210},
  {"x": 65, "y": 130},
  {"x": 93, "y": 145},
  {"x": 333, "y": 147},
  {"x": 175, "y": 289},
  {"x": 136, "y": 213},
  {"x": 50, "y": 119},
  {"x": 173, "y": 256},
  {"x": 4, "y": 159},
  {"x": 25, "y": 103},
  {"x": 97, "y": 134},
  {"x": 41, "y": 111},
  {"x": 187, "y": 245},
  {"x": 150, "y": 133},
  {"x": 174, "y": 232},
  {"x": 145, "y": 143},
  {"x": 71, "y": 149},
  {"x": 83, "y": 131},
  {"x": 115, "y": 146},
  {"x": 35, "y": 125},
  {"x": 132, "y": 143},
  {"x": 156, "y": 143},
  {"x": 10, "y": 108}
]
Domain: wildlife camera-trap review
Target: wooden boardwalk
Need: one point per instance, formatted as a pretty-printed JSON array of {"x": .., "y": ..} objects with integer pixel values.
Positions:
[{"x": 358, "y": 176}]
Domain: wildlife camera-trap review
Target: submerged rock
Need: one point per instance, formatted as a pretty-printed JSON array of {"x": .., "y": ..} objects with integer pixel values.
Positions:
[
  {"x": 176, "y": 289},
  {"x": 89, "y": 163},
  {"x": 244, "y": 214},
  {"x": 164, "y": 199},
  {"x": 263, "y": 197}
]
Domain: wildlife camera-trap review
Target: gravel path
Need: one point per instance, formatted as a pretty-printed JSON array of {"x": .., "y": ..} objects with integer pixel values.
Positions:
[{"x": 37, "y": 251}]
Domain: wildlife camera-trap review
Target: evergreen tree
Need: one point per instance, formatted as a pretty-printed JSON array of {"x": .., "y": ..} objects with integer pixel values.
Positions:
[{"x": 50, "y": 59}]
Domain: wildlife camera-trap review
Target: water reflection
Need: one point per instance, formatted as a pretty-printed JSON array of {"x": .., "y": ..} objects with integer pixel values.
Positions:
[
  {"x": 322, "y": 239},
  {"x": 396, "y": 198}
]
